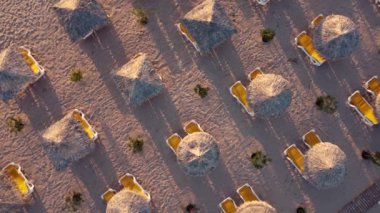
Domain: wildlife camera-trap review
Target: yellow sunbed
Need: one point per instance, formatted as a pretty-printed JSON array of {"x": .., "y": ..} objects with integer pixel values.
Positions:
[
  {"x": 30, "y": 61},
  {"x": 311, "y": 138},
  {"x": 252, "y": 75},
  {"x": 228, "y": 205},
  {"x": 129, "y": 182},
  {"x": 316, "y": 21},
  {"x": 373, "y": 86},
  {"x": 365, "y": 110},
  {"x": 107, "y": 195},
  {"x": 247, "y": 194},
  {"x": 79, "y": 116},
  {"x": 305, "y": 43},
  {"x": 295, "y": 156},
  {"x": 173, "y": 141},
  {"x": 192, "y": 126},
  {"x": 239, "y": 92},
  {"x": 13, "y": 171}
]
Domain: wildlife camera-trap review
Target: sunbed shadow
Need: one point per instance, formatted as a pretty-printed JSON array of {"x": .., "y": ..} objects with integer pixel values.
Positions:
[
  {"x": 41, "y": 104},
  {"x": 36, "y": 205}
]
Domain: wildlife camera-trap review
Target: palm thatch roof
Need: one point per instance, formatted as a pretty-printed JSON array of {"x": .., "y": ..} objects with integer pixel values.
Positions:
[
  {"x": 80, "y": 18},
  {"x": 336, "y": 37},
  {"x": 208, "y": 25},
  {"x": 269, "y": 95},
  {"x": 198, "y": 153},
  {"x": 65, "y": 141},
  {"x": 127, "y": 201},
  {"x": 256, "y": 207},
  {"x": 377, "y": 106},
  {"x": 15, "y": 74},
  {"x": 138, "y": 81},
  {"x": 325, "y": 165}
]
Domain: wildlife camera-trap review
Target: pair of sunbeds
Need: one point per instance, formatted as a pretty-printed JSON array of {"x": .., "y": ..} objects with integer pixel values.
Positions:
[
  {"x": 175, "y": 139},
  {"x": 295, "y": 156},
  {"x": 31, "y": 61},
  {"x": 15, "y": 174},
  {"x": 245, "y": 192},
  {"x": 239, "y": 92},
  {"x": 129, "y": 182},
  {"x": 361, "y": 105}
]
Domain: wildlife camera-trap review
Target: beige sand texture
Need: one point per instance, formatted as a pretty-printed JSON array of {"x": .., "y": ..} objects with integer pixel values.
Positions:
[{"x": 34, "y": 24}]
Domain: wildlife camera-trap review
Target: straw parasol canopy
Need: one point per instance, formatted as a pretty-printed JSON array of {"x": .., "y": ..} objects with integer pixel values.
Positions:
[
  {"x": 127, "y": 201},
  {"x": 269, "y": 95},
  {"x": 138, "y": 80},
  {"x": 208, "y": 25},
  {"x": 80, "y": 18},
  {"x": 336, "y": 37},
  {"x": 377, "y": 105},
  {"x": 65, "y": 141},
  {"x": 198, "y": 153},
  {"x": 256, "y": 207},
  {"x": 325, "y": 165},
  {"x": 15, "y": 74}
]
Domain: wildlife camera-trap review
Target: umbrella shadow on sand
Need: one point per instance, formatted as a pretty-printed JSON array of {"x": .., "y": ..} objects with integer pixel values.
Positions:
[{"x": 41, "y": 104}]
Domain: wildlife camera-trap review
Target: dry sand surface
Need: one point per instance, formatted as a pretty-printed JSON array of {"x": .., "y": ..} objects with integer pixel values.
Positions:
[{"x": 34, "y": 24}]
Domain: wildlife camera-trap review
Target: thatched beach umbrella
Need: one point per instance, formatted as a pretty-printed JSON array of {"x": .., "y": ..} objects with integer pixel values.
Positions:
[
  {"x": 256, "y": 207},
  {"x": 377, "y": 106},
  {"x": 80, "y": 18},
  {"x": 198, "y": 153},
  {"x": 336, "y": 37},
  {"x": 15, "y": 74},
  {"x": 138, "y": 80},
  {"x": 206, "y": 26},
  {"x": 127, "y": 201},
  {"x": 325, "y": 165},
  {"x": 269, "y": 95},
  {"x": 65, "y": 141}
]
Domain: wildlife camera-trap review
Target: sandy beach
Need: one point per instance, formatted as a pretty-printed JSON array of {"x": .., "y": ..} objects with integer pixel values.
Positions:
[{"x": 34, "y": 24}]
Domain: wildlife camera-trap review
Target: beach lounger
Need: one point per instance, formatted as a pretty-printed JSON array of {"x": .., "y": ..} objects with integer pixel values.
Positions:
[
  {"x": 13, "y": 171},
  {"x": 128, "y": 181},
  {"x": 247, "y": 194},
  {"x": 228, "y": 205},
  {"x": 239, "y": 92},
  {"x": 311, "y": 138},
  {"x": 316, "y": 21},
  {"x": 262, "y": 2},
  {"x": 256, "y": 72},
  {"x": 192, "y": 126},
  {"x": 173, "y": 141},
  {"x": 373, "y": 86},
  {"x": 305, "y": 43},
  {"x": 79, "y": 116},
  {"x": 30, "y": 61},
  {"x": 295, "y": 156},
  {"x": 363, "y": 108},
  {"x": 107, "y": 195}
]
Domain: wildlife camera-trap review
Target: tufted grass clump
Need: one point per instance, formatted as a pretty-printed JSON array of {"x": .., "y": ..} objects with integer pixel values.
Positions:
[
  {"x": 76, "y": 75},
  {"x": 136, "y": 144},
  {"x": 201, "y": 91},
  {"x": 15, "y": 124},
  {"x": 267, "y": 34},
  {"x": 326, "y": 103},
  {"x": 141, "y": 16},
  {"x": 259, "y": 159}
]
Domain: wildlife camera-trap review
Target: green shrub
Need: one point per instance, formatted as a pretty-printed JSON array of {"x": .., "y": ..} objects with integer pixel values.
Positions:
[
  {"x": 15, "y": 124},
  {"x": 201, "y": 91},
  {"x": 141, "y": 15},
  {"x": 73, "y": 201},
  {"x": 136, "y": 144},
  {"x": 259, "y": 160},
  {"x": 191, "y": 208},
  {"x": 267, "y": 34},
  {"x": 301, "y": 210},
  {"x": 76, "y": 75},
  {"x": 326, "y": 103},
  {"x": 373, "y": 156}
]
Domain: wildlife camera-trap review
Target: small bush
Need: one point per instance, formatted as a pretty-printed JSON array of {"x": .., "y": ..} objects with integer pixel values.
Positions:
[
  {"x": 267, "y": 34},
  {"x": 76, "y": 75},
  {"x": 373, "y": 156},
  {"x": 301, "y": 210},
  {"x": 191, "y": 208},
  {"x": 15, "y": 124},
  {"x": 136, "y": 144},
  {"x": 201, "y": 91},
  {"x": 366, "y": 155},
  {"x": 259, "y": 160},
  {"x": 140, "y": 14},
  {"x": 73, "y": 201},
  {"x": 326, "y": 103}
]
